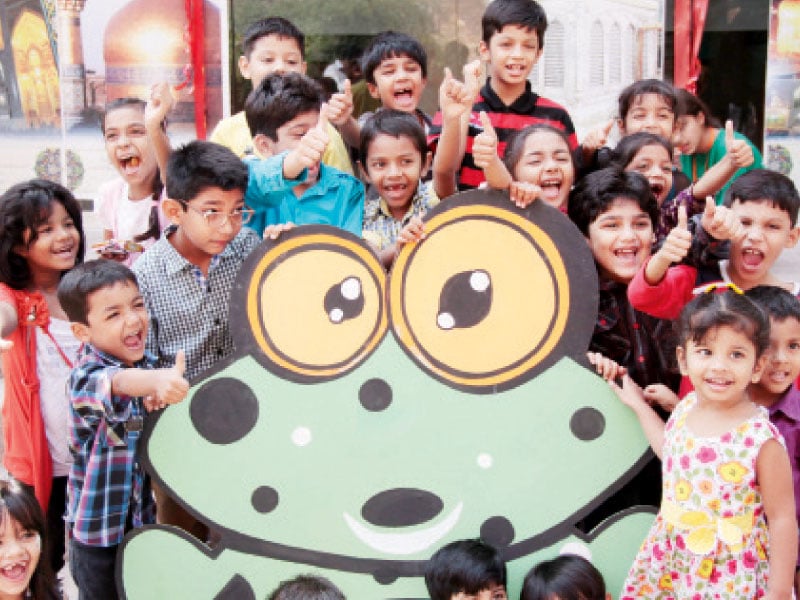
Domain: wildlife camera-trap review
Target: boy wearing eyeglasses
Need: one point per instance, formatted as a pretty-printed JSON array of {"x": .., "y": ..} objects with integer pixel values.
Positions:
[
  {"x": 289, "y": 124},
  {"x": 186, "y": 277}
]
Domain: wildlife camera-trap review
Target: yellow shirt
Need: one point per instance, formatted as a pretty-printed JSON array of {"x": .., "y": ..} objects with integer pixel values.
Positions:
[{"x": 234, "y": 133}]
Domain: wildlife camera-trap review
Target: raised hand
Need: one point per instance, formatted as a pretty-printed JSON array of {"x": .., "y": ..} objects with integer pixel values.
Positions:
[
  {"x": 310, "y": 149},
  {"x": 597, "y": 138},
  {"x": 340, "y": 105},
  {"x": 738, "y": 151},
  {"x": 678, "y": 242},
  {"x": 484, "y": 146},
  {"x": 720, "y": 222},
  {"x": 161, "y": 102},
  {"x": 170, "y": 385},
  {"x": 455, "y": 97}
]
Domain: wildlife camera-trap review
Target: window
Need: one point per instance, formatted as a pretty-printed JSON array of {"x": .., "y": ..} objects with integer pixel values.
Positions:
[
  {"x": 597, "y": 74},
  {"x": 554, "y": 56},
  {"x": 615, "y": 55}
]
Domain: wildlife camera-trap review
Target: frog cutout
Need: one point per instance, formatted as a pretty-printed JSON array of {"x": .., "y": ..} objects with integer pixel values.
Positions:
[{"x": 368, "y": 419}]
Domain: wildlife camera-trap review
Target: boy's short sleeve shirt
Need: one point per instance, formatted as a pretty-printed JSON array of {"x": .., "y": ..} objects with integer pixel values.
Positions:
[
  {"x": 185, "y": 315},
  {"x": 381, "y": 228},
  {"x": 106, "y": 482},
  {"x": 528, "y": 109}
]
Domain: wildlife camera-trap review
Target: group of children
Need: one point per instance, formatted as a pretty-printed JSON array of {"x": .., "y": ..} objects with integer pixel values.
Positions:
[{"x": 128, "y": 340}]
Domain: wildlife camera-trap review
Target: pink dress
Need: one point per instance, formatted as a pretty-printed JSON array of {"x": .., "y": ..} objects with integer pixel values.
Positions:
[{"x": 710, "y": 537}]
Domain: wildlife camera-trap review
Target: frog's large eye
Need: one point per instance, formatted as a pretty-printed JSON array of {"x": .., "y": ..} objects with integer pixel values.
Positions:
[
  {"x": 484, "y": 301},
  {"x": 315, "y": 304}
]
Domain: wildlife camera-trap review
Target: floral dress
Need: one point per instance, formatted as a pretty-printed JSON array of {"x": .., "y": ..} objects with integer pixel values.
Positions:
[{"x": 709, "y": 539}]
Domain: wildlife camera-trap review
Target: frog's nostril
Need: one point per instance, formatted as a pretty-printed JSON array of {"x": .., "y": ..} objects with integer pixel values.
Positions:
[{"x": 402, "y": 507}]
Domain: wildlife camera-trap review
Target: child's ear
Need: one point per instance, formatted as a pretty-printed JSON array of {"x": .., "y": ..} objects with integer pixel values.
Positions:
[
  {"x": 426, "y": 164},
  {"x": 621, "y": 126},
  {"x": 244, "y": 66},
  {"x": 680, "y": 354},
  {"x": 264, "y": 145},
  {"x": 794, "y": 235},
  {"x": 373, "y": 91},
  {"x": 80, "y": 331},
  {"x": 172, "y": 209},
  {"x": 483, "y": 52},
  {"x": 761, "y": 364},
  {"x": 363, "y": 171}
]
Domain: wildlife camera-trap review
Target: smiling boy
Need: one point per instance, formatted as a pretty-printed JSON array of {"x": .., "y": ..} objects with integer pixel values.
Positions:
[
  {"x": 766, "y": 203},
  {"x": 512, "y": 44},
  {"x": 108, "y": 489}
]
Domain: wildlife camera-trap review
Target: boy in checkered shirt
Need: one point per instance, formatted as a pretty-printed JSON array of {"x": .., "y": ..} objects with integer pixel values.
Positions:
[{"x": 108, "y": 491}]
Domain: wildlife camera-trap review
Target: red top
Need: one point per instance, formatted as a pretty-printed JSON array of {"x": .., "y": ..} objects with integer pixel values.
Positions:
[{"x": 25, "y": 451}]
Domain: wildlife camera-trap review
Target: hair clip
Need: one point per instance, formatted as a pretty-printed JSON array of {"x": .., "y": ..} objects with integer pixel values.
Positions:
[{"x": 723, "y": 286}]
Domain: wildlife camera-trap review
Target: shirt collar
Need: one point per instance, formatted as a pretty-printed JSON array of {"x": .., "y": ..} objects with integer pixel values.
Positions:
[
  {"x": 789, "y": 404},
  {"x": 112, "y": 361},
  {"x": 522, "y": 105},
  {"x": 174, "y": 262}
]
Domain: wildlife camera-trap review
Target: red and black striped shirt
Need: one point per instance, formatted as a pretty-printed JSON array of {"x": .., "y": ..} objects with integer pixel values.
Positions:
[{"x": 528, "y": 109}]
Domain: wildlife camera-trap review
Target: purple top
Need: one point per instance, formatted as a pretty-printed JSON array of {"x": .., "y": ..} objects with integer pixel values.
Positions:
[{"x": 785, "y": 415}]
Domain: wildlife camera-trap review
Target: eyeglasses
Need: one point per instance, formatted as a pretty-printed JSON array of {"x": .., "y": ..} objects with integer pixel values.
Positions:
[{"x": 216, "y": 219}]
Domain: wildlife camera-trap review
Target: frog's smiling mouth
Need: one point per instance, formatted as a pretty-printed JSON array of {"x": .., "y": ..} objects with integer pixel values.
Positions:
[{"x": 404, "y": 543}]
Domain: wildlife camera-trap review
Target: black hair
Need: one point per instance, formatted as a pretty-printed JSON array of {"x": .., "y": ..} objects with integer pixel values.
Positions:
[
  {"x": 307, "y": 587},
  {"x": 18, "y": 502},
  {"x": 765, "y": 185},
  {"x": 199, "y": 165},
  {"x": 525, "y": 13},
  {"x": 629, "y": 147},
  {"x": 277, "y": 26},
  {"x": 567, "y": 577},
  {"x": 153, "y": 224},
  {"x": 778, "y": 303},
  {"x": 394, "y": 123},
  {"x": 516, "y": 145},
  {"x": 278, "y": 99},
  {"x": 596, "y": 192},
  {"x": 691, "y": 105},
  {"x": 392, "y": 44},
  {"x": 467, "y": 566},
  {"x": 85, "y": 279},
  {"x": 24, "y": 207},
  {"x": 627, "y": 97},
  {"x": 713, "y": 309}
]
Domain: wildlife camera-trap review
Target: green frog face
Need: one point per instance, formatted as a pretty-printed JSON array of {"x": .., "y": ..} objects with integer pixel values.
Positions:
[{"x": 368, "y": 419}]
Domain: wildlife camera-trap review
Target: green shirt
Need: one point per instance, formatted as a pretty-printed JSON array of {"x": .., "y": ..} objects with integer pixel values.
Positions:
[{"x": 695, "y": 165}]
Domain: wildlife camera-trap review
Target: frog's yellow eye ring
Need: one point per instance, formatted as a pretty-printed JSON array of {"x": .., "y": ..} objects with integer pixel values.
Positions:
[
  {"x": 315, "y": 304},
  {"x": 488, "y": 301}
]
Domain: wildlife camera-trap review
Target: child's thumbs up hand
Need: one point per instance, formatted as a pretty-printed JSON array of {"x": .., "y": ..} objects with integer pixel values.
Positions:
[
  {"x": 739, "y": 152},
  {"x": 340, "y": 105},
  {"x": 170, "y": 385},
  {"x": 678, "y": 242},
  {"x": 309, "y": 149},
  {"x": 484, "y": 146},
  {"x": 720, "y": 222},
  {"x": 472, "y": 77}
]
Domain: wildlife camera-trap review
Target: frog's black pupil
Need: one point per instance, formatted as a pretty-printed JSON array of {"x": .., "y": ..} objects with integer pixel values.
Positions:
[
  {"x": 344, "y": 300},
  {"x": 465, "y": 300}
]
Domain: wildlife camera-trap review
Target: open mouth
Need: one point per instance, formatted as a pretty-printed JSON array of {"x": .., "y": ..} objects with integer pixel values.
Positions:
[
  {"x": 516, "y": 69},
  {"x": 752, "y": 258},
  {"x": 404, "y": 543},
  {"x": 657, "y": 188},
  {"x": 718, "y": 383},
  {"x": 129, "y": 164},
  {"x": 16, "y": 572},
  {"x": 404, "y": 96},
  {"x": 551, "y": 189},
  {"x": 134, "y": 341}
]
